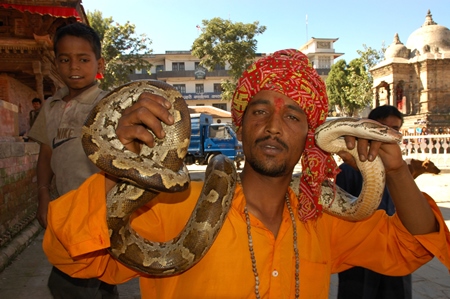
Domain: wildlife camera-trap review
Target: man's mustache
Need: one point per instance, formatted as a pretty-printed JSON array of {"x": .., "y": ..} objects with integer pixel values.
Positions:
[{"x": 284, "y": 145}]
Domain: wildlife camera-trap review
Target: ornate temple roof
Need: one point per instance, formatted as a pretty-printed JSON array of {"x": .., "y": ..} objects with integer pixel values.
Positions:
[
  {"x": 397, "y": 49},
  {"x": 429, "y": 38}
]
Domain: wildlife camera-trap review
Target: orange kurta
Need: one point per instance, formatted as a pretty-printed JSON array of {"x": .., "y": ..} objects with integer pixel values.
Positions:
[{"x": 77, "y": 236}]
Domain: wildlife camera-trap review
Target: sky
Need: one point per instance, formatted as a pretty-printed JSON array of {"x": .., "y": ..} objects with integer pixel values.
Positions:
[{"x": 172, "y": 24}]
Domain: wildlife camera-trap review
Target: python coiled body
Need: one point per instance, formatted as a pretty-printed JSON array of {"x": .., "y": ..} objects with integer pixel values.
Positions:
[
  {"x": 336, "y": 201},
  {"x": 161, "y": 169},
  {"x": 154, "y": 170}
]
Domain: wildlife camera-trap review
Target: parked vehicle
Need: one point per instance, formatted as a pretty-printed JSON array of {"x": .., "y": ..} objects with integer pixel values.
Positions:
[{"x": 208, "y": 140}]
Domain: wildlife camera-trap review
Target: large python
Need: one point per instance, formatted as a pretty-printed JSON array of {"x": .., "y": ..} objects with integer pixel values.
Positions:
[
  {"x": 336, "y": 201},
  {"x": 161, "y": 169}
]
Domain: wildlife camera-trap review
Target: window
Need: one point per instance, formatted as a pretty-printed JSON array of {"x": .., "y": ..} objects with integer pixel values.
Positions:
[
  {"x": 180, "y": 87},
  {"x": 196, "y": 64},
  {"x": 140, "y": 71},
  {"x": 323, "y": 45},
  {"x": 199, "y": 88},
  {"x": 160, "y": 68},
  {"x": 217, "y": 87},
  {"x": 219, "y": 132},
  {"x": 221, "y": 106},
  {"x": 177, "y": 66},
  {"x": 219, "y": 67},
  {"x": 324, "y": 63}
]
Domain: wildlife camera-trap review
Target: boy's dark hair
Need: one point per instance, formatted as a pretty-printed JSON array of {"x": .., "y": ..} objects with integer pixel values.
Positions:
[
  {"x": 383, "y": 112},
  {"x": 82, "y": 31},
  {"x": 36, "y": 100}
]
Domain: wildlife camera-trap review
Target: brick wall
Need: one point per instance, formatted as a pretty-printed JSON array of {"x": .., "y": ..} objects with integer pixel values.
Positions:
[
  {"x": 9, "y": 124},
  {"x": 18, "y": 189},
  {"x": 15, "y": 105}
]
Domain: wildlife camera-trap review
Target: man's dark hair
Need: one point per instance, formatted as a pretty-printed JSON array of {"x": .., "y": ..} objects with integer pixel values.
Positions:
[
  {"x": 36, "y": 100},
  {"x": 383, "y": 112},
  {"x": 82, "y": 31}
]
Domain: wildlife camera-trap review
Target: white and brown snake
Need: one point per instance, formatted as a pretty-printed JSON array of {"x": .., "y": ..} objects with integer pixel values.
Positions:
[{"x": 161, "y": 169}]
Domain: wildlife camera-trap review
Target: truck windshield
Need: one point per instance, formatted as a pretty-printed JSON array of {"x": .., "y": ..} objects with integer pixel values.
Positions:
[{"x": 219, "y": 132}]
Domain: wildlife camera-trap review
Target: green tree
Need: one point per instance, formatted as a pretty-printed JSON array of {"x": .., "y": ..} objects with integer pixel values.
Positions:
[
  {"x": 337, "y": 85},
  {"x": 122, "y": 49},
  {"x": 99, "y": 23},
  {"x": 223, "y": 42},
  {"x": 371, "y": 57},
  {"x": 349, "y": 86},
  {"x": 359, "y": 90}
]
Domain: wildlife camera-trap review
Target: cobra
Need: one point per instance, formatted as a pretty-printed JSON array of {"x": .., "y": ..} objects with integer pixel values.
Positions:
[{"x": 161, "y": 169}]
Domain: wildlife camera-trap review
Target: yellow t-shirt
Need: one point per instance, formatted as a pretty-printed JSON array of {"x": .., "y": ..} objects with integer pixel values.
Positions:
[{"x": 328, "y": 245}]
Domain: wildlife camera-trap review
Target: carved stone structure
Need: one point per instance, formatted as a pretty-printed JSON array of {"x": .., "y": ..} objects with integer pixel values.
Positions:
[
  {"x": 27, "y": 67},
  {"x": 415, "y": 78},
  {"x": 27, "y": 70}
]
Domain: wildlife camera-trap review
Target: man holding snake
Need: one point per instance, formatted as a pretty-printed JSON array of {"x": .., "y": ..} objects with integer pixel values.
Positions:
[{"x": 272, "y": 244}]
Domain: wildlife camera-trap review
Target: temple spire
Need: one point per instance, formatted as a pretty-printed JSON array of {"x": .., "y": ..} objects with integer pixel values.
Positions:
[
  {"x": 396, "y": 40},
  {"x": 429, "y": 20}
]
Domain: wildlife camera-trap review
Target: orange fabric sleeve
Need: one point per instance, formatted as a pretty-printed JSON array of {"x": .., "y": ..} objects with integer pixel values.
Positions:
[
  {"x": 402, "y": 253},
  {"x": 77, "y": 235}
]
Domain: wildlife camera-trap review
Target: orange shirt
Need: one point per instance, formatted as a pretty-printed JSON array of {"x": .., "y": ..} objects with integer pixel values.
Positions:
[{"x": 77, "y": 236}]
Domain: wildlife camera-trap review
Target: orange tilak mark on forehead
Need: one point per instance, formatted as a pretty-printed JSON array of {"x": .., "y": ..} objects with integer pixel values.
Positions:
[{"x": 279, "y": 103}]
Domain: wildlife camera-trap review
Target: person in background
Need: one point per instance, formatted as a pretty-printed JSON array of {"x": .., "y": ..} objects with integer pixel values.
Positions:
[
  {"x": 58, "y": 130},
  {"x": 358, "y": 282},
  {"x": 36, "y": 102},
  {"x": 272, "y": 244}
]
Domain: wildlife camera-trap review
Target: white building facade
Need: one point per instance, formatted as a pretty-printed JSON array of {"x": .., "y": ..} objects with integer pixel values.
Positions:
[
  {"x": 181, "y": 69},
  {"x": 201, "y": 87},
  {"x": 321, "y": 53}
]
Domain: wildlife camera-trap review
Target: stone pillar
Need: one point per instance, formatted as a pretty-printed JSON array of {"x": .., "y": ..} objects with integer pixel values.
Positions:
[
  {"x": 39, "y": 79},
  {"x": 375, "y": 100},
  {"x": 391, "y": 95}
]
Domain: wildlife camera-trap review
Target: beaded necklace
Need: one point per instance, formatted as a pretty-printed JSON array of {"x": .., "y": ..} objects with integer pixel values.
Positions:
[{"x": 252, "y": 253}]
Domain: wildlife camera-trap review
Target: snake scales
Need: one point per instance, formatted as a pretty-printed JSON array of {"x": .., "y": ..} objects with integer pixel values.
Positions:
[{"x": 161, "y": 169}]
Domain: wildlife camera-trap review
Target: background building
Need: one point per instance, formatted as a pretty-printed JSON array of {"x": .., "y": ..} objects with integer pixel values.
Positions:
[
  {"x": 416, "y": 78},
  {"x": 201, "y": 87},
  {"x": 321, "y": 53},
  {"x": 182, "y": 70}
]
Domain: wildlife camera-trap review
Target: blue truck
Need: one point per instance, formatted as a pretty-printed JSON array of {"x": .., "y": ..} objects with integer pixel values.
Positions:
[{"x": 209, "y": 139}]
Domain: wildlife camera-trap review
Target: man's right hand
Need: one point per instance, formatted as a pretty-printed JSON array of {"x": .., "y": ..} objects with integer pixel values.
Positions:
[
  {"x": 147, "y": 113},
  {"x": 132, "y": 130}
]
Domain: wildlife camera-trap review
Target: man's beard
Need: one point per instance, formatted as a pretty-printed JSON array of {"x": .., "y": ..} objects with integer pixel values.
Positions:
[
  {"x": 261, "y": 168},
  {"x": 267, "y": 170}
]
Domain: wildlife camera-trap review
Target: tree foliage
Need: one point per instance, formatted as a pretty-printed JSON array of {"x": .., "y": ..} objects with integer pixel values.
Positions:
[
  {"x": 337, "y": 84},
  {"x": 359, "y": 92},
  {"x": 122, "y": 49},
  {"x": 371, "y": 57},
  {"x": 349, "y": 86},
  {"x": 223, "y": 42}
]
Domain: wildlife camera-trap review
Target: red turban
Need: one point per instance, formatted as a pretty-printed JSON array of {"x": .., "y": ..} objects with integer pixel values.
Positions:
[{"x": 289, "y": 73}]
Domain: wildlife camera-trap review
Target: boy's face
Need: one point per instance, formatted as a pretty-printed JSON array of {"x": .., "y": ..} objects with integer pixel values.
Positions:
[
  {"x": 273, "y": 133},
  {"x": 392, "y": 122},
  {"x": 77, "y": 64},
  {"x": 36, "y": 105}
]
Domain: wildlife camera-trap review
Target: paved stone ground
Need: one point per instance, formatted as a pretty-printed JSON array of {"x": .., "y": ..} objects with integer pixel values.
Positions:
[{"x": 27, "y": 276}]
